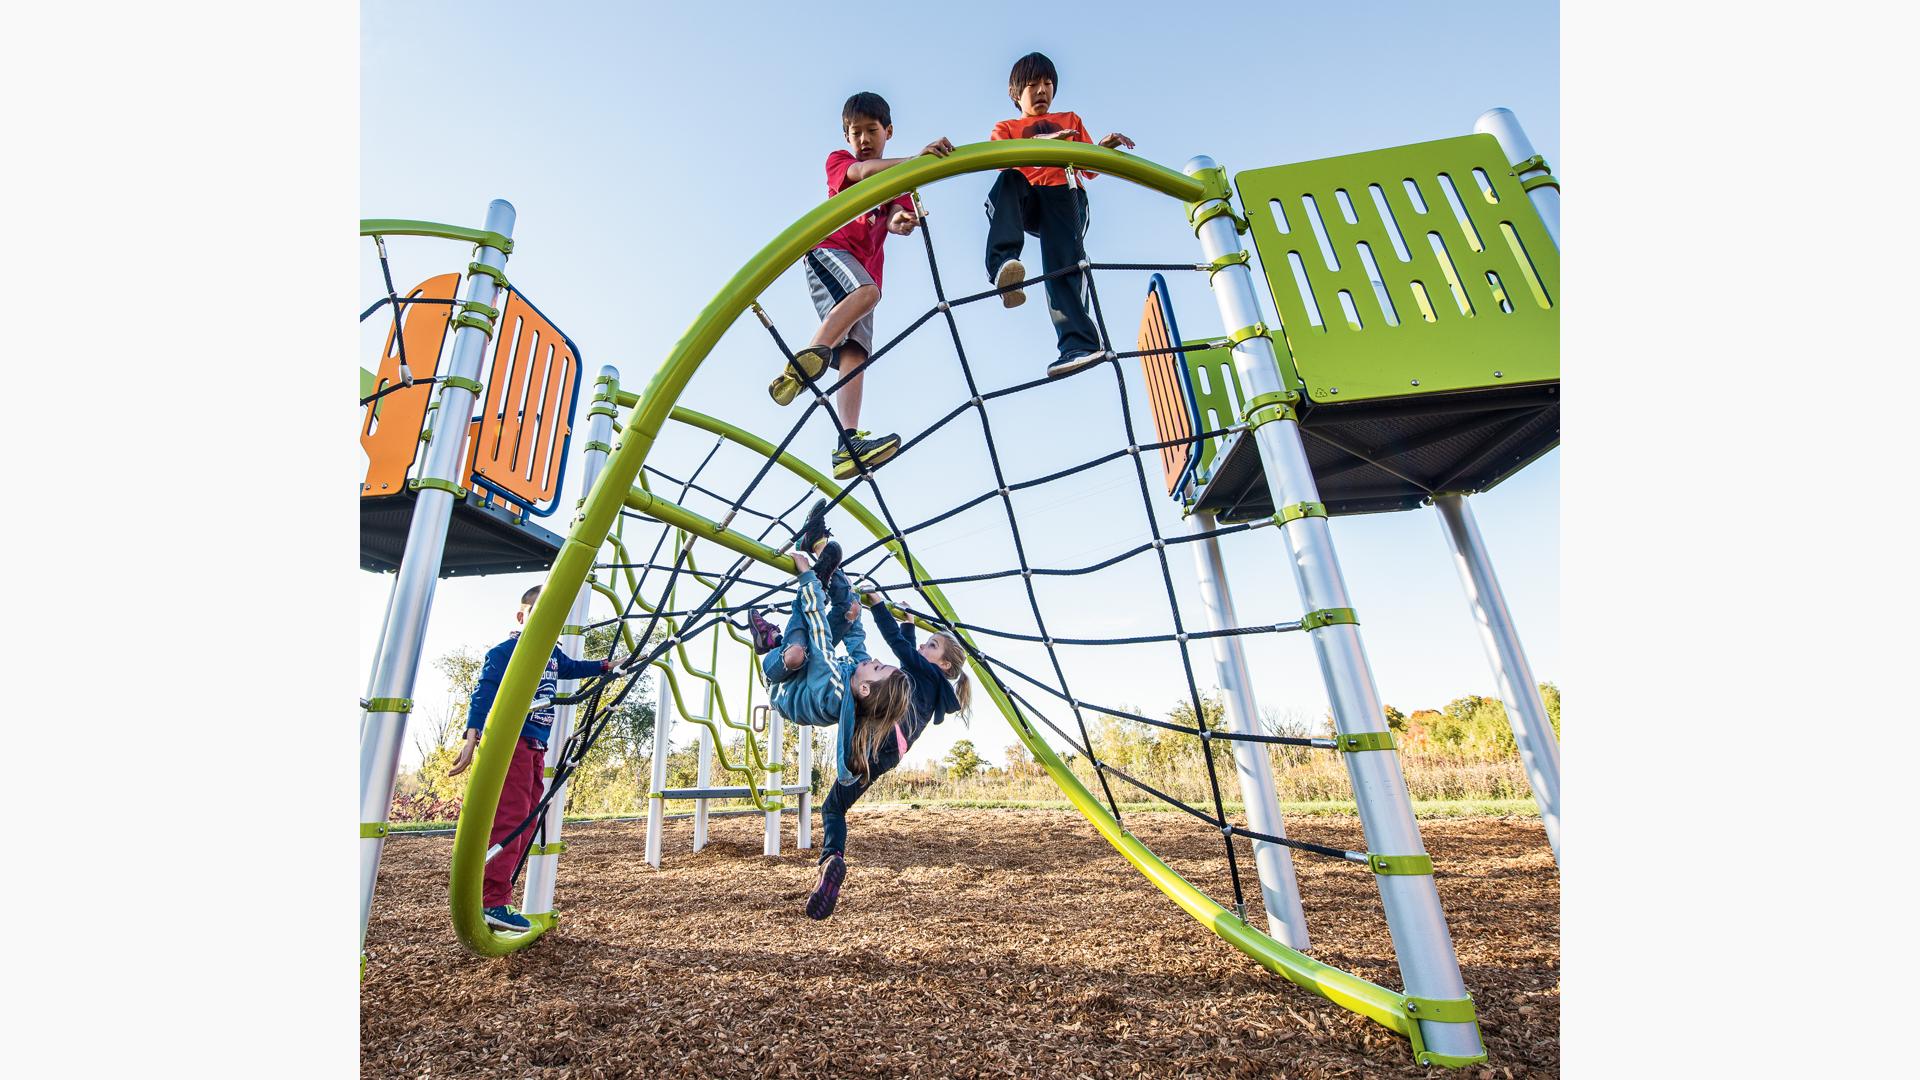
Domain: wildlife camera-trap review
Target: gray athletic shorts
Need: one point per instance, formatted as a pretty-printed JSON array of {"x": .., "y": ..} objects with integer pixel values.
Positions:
[{"x": 832, "y": 275}]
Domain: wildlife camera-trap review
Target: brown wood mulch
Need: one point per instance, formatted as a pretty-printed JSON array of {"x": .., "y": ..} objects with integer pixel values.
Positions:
[{"x": 967, "y": 943}]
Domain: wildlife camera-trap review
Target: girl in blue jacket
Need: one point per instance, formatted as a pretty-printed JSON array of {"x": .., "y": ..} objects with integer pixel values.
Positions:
[{"x": 931, "y": 667}]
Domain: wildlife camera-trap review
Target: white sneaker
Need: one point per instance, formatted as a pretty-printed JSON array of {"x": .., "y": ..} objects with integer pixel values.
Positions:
[{"x": 1011, "y": 272}]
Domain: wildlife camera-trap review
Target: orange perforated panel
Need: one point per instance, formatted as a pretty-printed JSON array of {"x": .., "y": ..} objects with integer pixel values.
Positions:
[
  {"x": 517, "y": 437},
  {"x": 390, "y": 427},
  {"x": 1170, "y": 416}
]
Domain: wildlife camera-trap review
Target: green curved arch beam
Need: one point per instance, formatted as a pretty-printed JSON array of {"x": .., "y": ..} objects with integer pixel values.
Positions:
[{"x": 614, "y": 489}]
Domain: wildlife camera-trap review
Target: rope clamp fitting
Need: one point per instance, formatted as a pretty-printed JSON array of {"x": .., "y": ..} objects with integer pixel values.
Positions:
[
  {"x": 1231, "y": 258},
  {"x": 1400, "y": 865},
  {"x": 1314, "y": 620},
  {"x": 1296, "y": 511},
  {"x": 470, "y": 385},
  {"x": 1362, "y": 741}
]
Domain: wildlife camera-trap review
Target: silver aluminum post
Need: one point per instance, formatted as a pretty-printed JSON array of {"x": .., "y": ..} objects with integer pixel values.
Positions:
[
  {"x": 662, "y": 735},
  {"x": 803, "y": 831},
  {"x": 1500, "y": 124},
  {"x": 1279, "y": 892},
  {"x": 403, "y": 633},
  {"x": 1513, "y": 676},
  {"x": 543, "y": 866},
  {"x": 776, "y": 737},
  {"x": 1418, "y": 927}
]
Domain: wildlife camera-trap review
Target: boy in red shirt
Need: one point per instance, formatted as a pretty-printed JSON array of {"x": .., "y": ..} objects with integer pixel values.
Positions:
[
  {"x": 843, "y": 273},
  {"x": 1041, "y": 203}
]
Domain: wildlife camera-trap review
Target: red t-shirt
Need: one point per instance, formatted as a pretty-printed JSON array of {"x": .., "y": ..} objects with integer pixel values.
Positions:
[
  {"x": 1032, "y": 127},
  {"x": 864, "y": 237}
]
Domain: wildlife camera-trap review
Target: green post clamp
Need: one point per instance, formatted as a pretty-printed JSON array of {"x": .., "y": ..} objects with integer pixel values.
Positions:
[
  {"x": 547, "y": 773},
  {"x": 1314, "y": 620},
  {"x": 388, "y": 704},
  {"x": 1400, "y": 865},
  {"x": 572, "y": 629},
  {"x": 472, "y": 385},
  {"x": 1296, "y": 511},
  {"x": 478, "y": 322},
  {"x": 1528, "y": 183},
  {"x": 374, "y": 830},
  {"x": 1444, "y": 1011},
  {"x": 1248, "y": 333},
  {"x": 596, "y": 444},
  {"x": 554, "y": 848},
  {"x": 600, "y": 409},
  {"x": 436, "y": 484},
  {"x": 492, "y": 313},
  {"x": 1268, "y": 407},
  {"x": 1213, "y": 211},
  {"x": 1362, "y": 741},
  {"x": 607, "y": 380},
  {"x": 498, "y": 275},
  {"x": 1233, "y": 258}
]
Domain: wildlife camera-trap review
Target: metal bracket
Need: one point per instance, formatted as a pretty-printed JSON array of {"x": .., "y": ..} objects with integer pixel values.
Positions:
[
  {"x": 1271, "y": 406},
  {"x": 547, "y": 773},
  {"x": 387, "y": 704},
  {"x": 1246, "y": 333},
  {"x": 1361, "y": 741},
  {"x": 554, "y": 848},
  {"x": 572, "y": 629},
  {"x": 1445, "y": 1011},
  {"x": 596, "y": 444},
  {"x": 1400, "y": 865},
  {"x": 470, "y": 385},
  {"x": 1442, "y": 1010},
  {"x": 478, "y": 322},
  {"x": 1200, "y": 218},
  {"x": 374, "y": 830},
  {"x": 1530, "y": 182},
  {"x": 1314, "y": 620},
  {"x": 607, "y": 411},
  {"x": 1296, "y": 511},
  {"x": 436, "y": 484},
  {"x": 498, "y": 275},
  {"x": 1233, "y": 258},
  {"x": 492, "y": 313}
]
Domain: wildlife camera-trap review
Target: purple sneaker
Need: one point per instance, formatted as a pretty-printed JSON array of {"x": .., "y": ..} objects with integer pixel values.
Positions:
[
  {"x": 827, "y": 893},
  {"x": 766, "y": 637}
]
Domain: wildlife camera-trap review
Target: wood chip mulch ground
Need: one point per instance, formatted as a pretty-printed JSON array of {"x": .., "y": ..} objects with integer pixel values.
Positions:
[{"x": 967, "y": 943}]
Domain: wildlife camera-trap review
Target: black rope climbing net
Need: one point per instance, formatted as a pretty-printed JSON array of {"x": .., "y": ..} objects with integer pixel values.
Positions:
[{"x": 711, "y": 612}]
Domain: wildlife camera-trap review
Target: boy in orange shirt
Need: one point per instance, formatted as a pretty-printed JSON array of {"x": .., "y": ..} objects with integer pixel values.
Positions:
[{"x": 1040, "y": 202}]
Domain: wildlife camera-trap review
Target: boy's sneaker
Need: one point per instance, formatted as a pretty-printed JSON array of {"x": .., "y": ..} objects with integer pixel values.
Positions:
[
  {"x": 827, "y": 893},
  {"x": 1067, "y": 365},
  {"x": 807, "y": 364},
  {"x": 1011, "y": 272},
  {"x": 813, "y": 530},
  {"x": 827, "y": 562},
  {"x": 505, "y": 917},
  {"x": 867, "y": 451},
  {"x": 766, "y": 637}
]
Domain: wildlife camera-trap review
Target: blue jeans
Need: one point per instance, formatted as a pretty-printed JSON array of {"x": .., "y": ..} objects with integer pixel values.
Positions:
[{"x": 817, "y": 694}]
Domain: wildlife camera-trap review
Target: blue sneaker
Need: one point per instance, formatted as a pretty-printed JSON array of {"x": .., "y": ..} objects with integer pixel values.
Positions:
[{"x": 505, "y": 917}]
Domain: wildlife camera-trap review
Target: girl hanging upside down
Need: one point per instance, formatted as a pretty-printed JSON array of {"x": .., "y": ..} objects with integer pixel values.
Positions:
[
  {"x": 878, "y": 747},
  {"x": 858, "y": 695}
]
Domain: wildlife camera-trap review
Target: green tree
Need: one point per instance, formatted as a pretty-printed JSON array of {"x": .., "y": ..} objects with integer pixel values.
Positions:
[
  {"x": 963, "y": 760},
  {"x": 1550, "y": 696},
  {"x": 1396, "y": 720}
]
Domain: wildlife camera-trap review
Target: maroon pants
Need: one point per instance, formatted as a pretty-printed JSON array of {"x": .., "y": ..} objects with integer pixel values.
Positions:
[{"x": 517, "y": 799}]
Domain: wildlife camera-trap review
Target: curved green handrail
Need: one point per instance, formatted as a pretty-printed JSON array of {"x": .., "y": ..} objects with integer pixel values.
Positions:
[
  {"x": 405, "y": 227},
  {"x": 614, "y": 489}
]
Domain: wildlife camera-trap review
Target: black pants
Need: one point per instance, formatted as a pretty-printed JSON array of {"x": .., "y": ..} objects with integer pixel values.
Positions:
[{"x": 1057, "y": 214}]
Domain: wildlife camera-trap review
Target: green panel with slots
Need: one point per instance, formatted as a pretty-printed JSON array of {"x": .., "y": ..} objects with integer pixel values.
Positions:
[
  {"x": 1461, "y": 304},
  {"x": 1216, "y": 396}
]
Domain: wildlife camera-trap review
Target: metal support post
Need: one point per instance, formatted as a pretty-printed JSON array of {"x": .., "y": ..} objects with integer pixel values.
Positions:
[
  {"x": 383, "y": 724},
  {"x": 1279, "y": 892},
  {"x": 803, "y": 831},
  {"x": 1500, "y": 124},
  {"x": 705, "y": 737},
  {"x": 1415, "y": 921},
  {"x": 776, "y": 737},
  {"x": 543, "y": 868},
  {"x": 1513, "y": 676}
]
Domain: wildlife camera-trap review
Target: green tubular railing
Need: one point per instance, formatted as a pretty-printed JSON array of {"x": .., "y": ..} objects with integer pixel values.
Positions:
[
  {"x": 614, "y": 489},
  {"x": 404, "y": 227}
]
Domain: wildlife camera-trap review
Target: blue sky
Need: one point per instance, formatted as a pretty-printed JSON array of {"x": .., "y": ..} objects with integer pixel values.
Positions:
[{"x": 649, "y": 155}]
